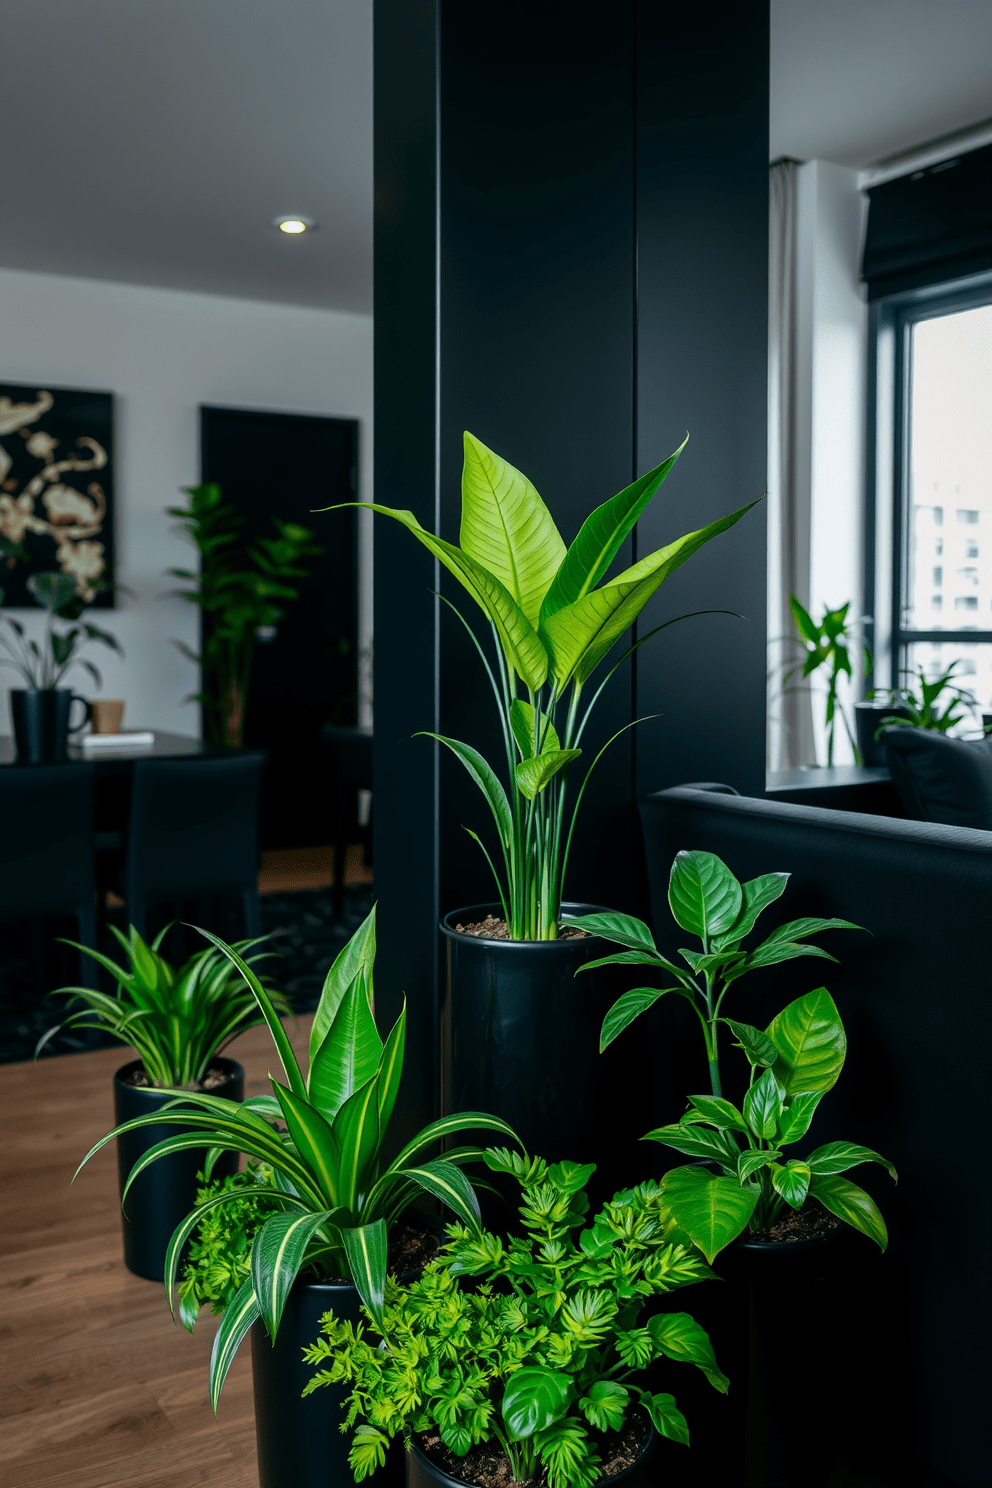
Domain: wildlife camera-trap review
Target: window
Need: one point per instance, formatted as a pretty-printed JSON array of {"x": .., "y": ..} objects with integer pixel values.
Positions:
[{"x": 933, "y": 462}]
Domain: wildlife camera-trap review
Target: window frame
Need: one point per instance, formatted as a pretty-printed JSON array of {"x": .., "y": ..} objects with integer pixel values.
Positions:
[{"x": 890, "y": 340}]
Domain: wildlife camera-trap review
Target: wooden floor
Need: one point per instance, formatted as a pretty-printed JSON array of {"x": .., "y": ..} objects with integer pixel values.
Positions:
[
  {"x": 98, "y": 1386},
  {"x": 287, "y": 870}
]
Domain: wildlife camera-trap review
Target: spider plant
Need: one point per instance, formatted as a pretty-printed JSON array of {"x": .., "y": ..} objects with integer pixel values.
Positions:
[
  {"x": 176, "y": 1019},
  {"x": 552, "y": 628},
  {"x": 321, "y": 1135}
]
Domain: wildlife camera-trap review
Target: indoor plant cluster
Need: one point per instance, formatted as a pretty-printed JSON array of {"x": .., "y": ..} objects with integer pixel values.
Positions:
[{"x": 540, "y": 1345}]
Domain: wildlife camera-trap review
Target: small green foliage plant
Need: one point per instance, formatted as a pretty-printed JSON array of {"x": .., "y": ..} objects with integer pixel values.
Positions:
[
  {"x": 535, "y": 1344},
  {"x": 43, "y": 667},
  {"x": 827, "y": 646},
  {"x": 219, "y": 1261},
  {"x": 321, "y": 1136},
  {"x": 937, "y": 705},
  {"x": 554, "y": 619},
  {"x": 707, "y": 901},
  {"x": 746, "y": 1178},
  {"x": 241, "y": 588},
  {"x": 177, "y": 1019}
]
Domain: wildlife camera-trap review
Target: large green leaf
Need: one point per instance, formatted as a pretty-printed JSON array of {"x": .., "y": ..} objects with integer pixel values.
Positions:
[
  {"x": 795, "y": 1119},
  {"x": 366, "y": 1248},
  {"x": 450, "y": 1126},
  {"x": 605, "y": 1405},
  {"x": 626, "y": 1008},
  {"x": 809, "y": 925},
  {"x": 758, "y": 1047},
  {"x": 763, "y": 1106},
  {"x": 534, "y": 1397},
  {"x": 356, "y": 1132},
  {"x": 626, "y": 930},
  {"x": 722, "y": 1113},
  {"x": 279, "y": 1035},
  {"x": 711, "y": 1210},
  {"x": 276, "y": 1257},
  {"x": 525, "y": 652},
  {"x": 349, "y": 1054},
  {"x": 507, "y": 528},
  {"x": 774, "y": 952},
  {"x": 532, "y": 775},
  {"x": 391, "y": 1072},
  {"x": 703, "y": 894},
  {"x": 695, "y": 1141},
  {"x": 239, "y": 1314},
  {"x": 666, "y": 1418},
  {"x": 791, "y": 1181},
  {"x": 600, "y": 536},
  {"x": 679, "y": 1336},
  {"x": 444, "y": 1181},
  {"x": 837, "y": 1157},
  {"x": 359, "y": 952},
  {"x": 811, "y": 1043},
  {"x": 315, "y": 1141},
  {"x": 851, "y": 1204},
  {"x": 757, "y": 894},
  {"x": 488, "y": 782},
  {"x": 578, "y": 636}
]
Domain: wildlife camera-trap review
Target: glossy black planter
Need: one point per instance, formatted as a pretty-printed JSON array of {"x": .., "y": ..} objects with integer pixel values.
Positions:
[
  {"x": 40, "y": 719},
  {"x": 520, "y": 1039},
  {"x": 299, "y": 1441},
  {"x": 164, "y": 1193},
  {"x": 421, "y": 1472},
  {"x": 869, "y": 717}
]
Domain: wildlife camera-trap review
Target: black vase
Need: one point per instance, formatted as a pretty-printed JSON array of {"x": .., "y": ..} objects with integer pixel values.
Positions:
[
  {"x": 520, "y": 1039},
  {"x": 165, "y": 1192},
  {"x": 40, "y": 717},
  {"x": 422, "y": 1473},
  {"x": 299, "y": 1441},
  {"x": 868, "y": 718}
]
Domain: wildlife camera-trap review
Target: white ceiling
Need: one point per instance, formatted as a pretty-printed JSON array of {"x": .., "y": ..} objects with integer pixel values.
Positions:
[
  {"x": 854, "y": 81},
  {"x": 153, "y": 141}
]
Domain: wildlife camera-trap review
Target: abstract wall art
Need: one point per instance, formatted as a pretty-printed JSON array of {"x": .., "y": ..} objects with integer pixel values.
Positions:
[{"x": 56, "y": 490}]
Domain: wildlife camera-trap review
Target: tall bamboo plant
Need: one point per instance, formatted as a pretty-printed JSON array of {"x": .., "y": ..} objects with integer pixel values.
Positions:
[{"x": 553, "y": 624}]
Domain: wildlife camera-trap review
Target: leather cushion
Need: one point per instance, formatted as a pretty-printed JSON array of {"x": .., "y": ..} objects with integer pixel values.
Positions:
[{"x": 940, "y": 779}]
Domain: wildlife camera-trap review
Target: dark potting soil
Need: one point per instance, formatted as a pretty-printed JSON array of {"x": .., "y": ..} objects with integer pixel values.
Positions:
[
  {"x": 811, "y": 1222},
  {"x": 488, "y": 1466},
  {"x": 211, "y": 1080},
  {"x": 493, "y": 929},
  {"x": 410, "y": 1249}
]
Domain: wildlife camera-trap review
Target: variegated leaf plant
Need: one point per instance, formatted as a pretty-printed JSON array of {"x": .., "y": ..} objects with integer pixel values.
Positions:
[
  {"x": 554, "y": 619},
  {"x": 321, "y": 1134}
]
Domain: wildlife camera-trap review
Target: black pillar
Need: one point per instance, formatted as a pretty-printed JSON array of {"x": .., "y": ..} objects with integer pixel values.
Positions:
[{"x": 571, "y": 262}]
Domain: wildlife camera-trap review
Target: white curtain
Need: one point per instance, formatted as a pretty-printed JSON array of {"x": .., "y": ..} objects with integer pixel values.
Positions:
[{"x": 790, "y": 719}]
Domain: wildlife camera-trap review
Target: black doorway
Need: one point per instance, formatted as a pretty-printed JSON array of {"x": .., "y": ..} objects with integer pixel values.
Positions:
[{"x": 306, "y": 675}]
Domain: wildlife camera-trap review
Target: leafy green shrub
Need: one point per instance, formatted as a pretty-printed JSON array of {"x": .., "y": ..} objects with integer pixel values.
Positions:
[
  {"x": 220, "y": 1252},
  {"x": 532, "y": 1344}
]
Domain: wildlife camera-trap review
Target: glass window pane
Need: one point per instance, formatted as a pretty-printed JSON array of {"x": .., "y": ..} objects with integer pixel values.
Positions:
[
  {"x": 950, "y": 475},
  {"x": 973, "y": 673}
]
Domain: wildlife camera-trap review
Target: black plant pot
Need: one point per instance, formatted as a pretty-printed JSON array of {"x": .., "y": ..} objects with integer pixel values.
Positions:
[
  {"x": 299, "y": 1441},
  {"x": 868, "y": 718},
  {"x": 422, "y": 1473},
  {"x": 165, "y": 1192},
  {"x": 520, "y": 1039},
  {"x": 41, "y": 723}
]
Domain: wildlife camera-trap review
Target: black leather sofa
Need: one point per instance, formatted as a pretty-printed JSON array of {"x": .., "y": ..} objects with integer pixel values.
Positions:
[{"x": 915, "y": 996}]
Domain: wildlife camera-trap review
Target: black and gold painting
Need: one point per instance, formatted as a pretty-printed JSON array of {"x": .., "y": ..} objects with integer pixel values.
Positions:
[{"x": 56, "y": 490}]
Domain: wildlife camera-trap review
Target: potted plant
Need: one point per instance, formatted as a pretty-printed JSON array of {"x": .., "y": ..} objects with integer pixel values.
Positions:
[
  {"x": 40, "y": 710},
  {"x": 555, "y": 618},
  {"x": 827, "y": 647},
  {"x": 708, "y": 902},
  {"x": 178, "y": 1020},
  {"x": 240, "y": 589},
  {"x": 938, "y": 705},
  {"x": 321, "y": 1136},
  {"x": 520, "y": 1361}
]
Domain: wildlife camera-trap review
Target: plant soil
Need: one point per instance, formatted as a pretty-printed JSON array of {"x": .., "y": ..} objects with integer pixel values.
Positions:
[
  {"x": 492, "y": 929},
  {"x": 811, "y": 1222},
  {"x": 214, "y": 1077},
  {"x": 487, "y": 1466},
  {"x": 410, "y": 1249}
]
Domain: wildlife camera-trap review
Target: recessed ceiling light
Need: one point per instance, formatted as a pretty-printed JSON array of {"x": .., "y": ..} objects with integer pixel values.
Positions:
[{"x": 294, "y": 225}]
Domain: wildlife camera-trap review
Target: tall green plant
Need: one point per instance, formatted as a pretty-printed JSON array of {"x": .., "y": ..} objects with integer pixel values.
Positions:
[
  {"x": 828, "y": 648},
  {"x": 176, "y": 1019},
  {"x": 707, "y": 901},
  {"x": 554, "y": 620},
  {"x": 240, "y": 589},
  {"x": 335, "y": 1196}
]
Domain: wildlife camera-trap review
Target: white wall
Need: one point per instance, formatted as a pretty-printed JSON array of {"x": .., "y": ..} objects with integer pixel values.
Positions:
[
  {"x": 834, "y": 311},
  {"x": 163, "y": 353}
]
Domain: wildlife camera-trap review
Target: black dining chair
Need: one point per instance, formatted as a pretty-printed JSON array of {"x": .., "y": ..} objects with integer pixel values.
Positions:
[
  {"x": 46, "y": 850},
  {"x": 193, "y": 833}
]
